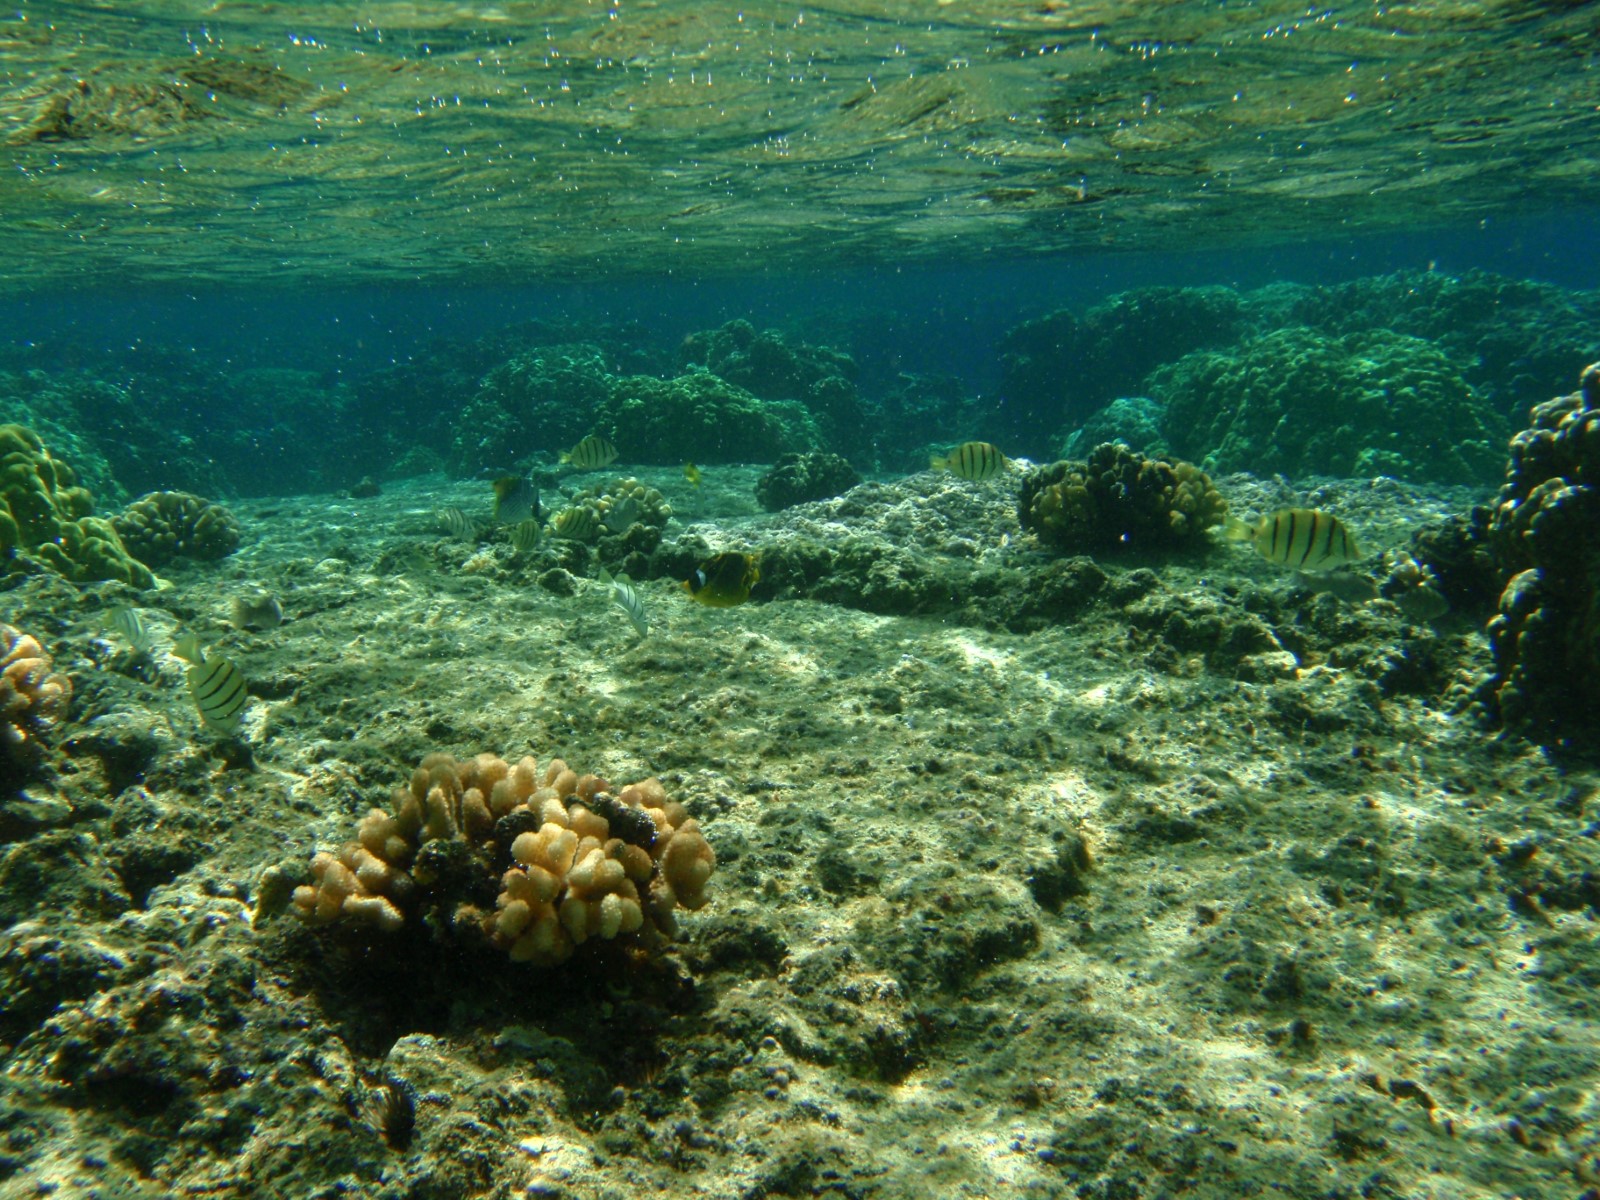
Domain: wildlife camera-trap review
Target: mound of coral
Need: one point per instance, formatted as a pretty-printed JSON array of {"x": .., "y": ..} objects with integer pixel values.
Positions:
[
  {"x": 45, "y": 521},
  {"x": 1543, "y": 535},
  {"x": 32, "y": 695},
  {"x": 1119, "y": 499},
  {"x": 701, "y": 417},
  {"x": 162, "y": 526},
  {"x": 1060, "y": 368},
  {"x": 1297, "y": 402},
  {"x": 535, "y": 862},
  {"x": 544, "y": 398},
  {"x": 799, "y": 478}
]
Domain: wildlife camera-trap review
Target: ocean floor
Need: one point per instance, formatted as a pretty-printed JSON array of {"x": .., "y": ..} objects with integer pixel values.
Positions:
[{"x": 1208, "y": 887}]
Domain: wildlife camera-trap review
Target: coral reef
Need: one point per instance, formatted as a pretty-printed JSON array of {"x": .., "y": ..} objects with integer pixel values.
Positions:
[
  {"x": 573, "y": 861},
  {"x": 1119, "y": 499},
  {"x": 798, "y": 478},
  {"x": 1134, "y": 421},
  {"x": 545, "y": 397},
  {"x": 45, "y": 522},
  {"x": 1060, "y": 368},
  {"x": 162, "y": 526},
  {"x": 1546, "y": 636},
  {"x": 1298, "y": 402},
  {"x": 701, "y": 417},
  {"x": 768, "y": 366},
  {"x": 623, "y": 520},
  {"x": 31, "y": 696}
]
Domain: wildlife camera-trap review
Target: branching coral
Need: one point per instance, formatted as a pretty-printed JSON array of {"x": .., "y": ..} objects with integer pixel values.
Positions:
[
  {"x": 161, "y": 526},
  {"x": 31, "y": 693},
  {"x": 1546, "y": 637},
  {"x": 45, "y": 521},
  {"x": 1119, "y": 499},
  {"x": 573, "y": 861}
]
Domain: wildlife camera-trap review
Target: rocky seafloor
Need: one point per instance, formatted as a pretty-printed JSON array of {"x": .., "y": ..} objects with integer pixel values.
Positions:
[{"x": 1184, "y": 881}]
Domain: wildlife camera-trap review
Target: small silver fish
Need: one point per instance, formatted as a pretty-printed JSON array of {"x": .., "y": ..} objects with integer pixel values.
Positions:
[
  {"x": 525, "y": 535},
  {"x": 622, "y": 513},
  {"x": 457, "y": 524},
  {"x": 627, "y": 598},
  {"x": 216, "y": 685},
  {"x": 257, "y": 609},
  {"x": 129, "y": 622}
]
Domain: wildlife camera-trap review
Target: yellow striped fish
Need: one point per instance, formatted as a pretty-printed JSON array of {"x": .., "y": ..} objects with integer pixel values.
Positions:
[
  {"x": 592, "y": 453},
  {"x": 217, "y": 686},
  {"x": 525, "y": 535},
  {"x": 457, "y": 524},
  {"x": 971, "y": 460},
  {"x": 578, "y": 523},
  {"x": 1306, "y": 539}
]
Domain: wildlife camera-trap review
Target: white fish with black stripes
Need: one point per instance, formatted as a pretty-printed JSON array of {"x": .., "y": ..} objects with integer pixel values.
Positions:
[{"x": 627, "y": 598}]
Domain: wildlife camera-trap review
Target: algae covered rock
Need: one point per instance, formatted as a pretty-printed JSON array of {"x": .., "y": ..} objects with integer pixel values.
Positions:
[
  {"x": 1297, "y": 402},
  {"x": 45, "y": 522},
  {"x": 1546, "y": 636},
  {"x": 798, "y": 478},
  {"x": 701, "y": 417},
  {"x": 165, "y": 525},
  {"x": 1119, "y": 499}
]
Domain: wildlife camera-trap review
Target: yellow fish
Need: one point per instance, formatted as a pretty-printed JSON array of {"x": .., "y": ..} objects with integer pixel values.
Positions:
[
  {"x": 1306, "y": 539},
  {"x": 724, "y": 580},
  {"x": 590, "y": 454},
  {"x": 971, "y": 460},
  {"x": 216, "y": 685},
  {"x": 691, "y": 473}
]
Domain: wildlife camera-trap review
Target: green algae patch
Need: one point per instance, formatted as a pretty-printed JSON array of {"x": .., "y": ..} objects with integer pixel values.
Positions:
[
  {"x": 45, "y": 521},
  {"x": 1299, "y": 403}
]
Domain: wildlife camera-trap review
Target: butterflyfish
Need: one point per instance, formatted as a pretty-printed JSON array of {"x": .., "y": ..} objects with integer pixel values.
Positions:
[
  {"x": 724, "y": 580},
  {"x": 1306, "y": 539},
  {"x": 590, "y": 454},
  {"x": 627, "y": 598},
  {"x": 215, "y": 684},
  {"x": 515, "y": 499},
  {"x": 971, "y": 460},
  {"x": 692, "y": 474}
]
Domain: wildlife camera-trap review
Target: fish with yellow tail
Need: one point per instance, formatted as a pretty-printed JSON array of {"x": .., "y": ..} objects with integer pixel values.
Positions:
[
  {"x": 724, "y": 579},
  {"x": 1306, "y": 539},
  {"x": 692, "y": 474},
  {"x": 976, "y": 461},
  {"x": 215, "y": 684}
]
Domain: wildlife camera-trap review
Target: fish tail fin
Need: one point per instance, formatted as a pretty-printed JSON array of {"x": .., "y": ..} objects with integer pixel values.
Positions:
[
  {"x": 938, "y": 462},
  {"x": 1236, "y": 530},
  {"x": 187, "y": 647},
  {"x": 605, "y": 576}
]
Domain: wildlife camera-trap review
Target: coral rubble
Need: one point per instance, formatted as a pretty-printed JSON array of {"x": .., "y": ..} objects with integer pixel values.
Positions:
[
  {"x": 45, "y": 520},
  {"x": 165, "y": 525},
  {"x": 573, "y": 860},
  {"x": 1119, "y": 499},
  {"x": 1546, "y": 636}
]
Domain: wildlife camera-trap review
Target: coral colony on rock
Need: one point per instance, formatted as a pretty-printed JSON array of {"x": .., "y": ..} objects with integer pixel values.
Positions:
[{"x": 1078, "y": 685}]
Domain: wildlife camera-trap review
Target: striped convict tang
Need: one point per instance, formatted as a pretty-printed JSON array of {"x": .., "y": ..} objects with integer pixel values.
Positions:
[
  {"x": 1306, "y": 539},
  {"x": 590, "y": 454},
  {"x": 217, "y": 686},
  {"x": 627, "y": 598},
  {"x": 971, "y": 460}
]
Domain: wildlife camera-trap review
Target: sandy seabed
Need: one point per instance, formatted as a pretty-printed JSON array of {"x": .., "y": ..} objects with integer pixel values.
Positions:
[{"x": 1090, "y": 911}]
